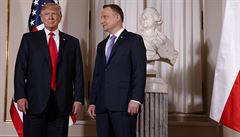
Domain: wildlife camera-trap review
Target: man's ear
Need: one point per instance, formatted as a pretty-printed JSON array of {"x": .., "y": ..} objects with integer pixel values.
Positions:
[{"x": 118, "y": 17}]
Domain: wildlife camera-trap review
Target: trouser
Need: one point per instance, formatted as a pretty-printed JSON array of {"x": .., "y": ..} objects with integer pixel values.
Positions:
[
  {"x": 47, "y": 123},
  {"x": 116, "y": 124}
]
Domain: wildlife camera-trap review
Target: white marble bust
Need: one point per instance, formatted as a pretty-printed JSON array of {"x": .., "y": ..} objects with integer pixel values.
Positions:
[{"x": 158, "y": 46}]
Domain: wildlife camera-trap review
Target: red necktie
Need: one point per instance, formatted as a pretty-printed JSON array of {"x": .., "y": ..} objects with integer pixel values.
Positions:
[{"x": 53, "y": 55}]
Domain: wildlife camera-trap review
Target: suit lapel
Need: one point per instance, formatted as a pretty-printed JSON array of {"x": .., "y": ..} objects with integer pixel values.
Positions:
[
  {"x": 62, "y": 45},
  {"x": 43, "y": 41},
  {"x": 103, "y": 47},
  {"x": 117, "y": 44}
]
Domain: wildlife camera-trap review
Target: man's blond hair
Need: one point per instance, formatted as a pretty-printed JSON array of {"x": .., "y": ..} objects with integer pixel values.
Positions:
[{"x": 52, "y": 6}]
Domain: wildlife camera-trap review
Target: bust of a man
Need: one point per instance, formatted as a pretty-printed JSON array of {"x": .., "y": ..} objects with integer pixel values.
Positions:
[{"x": 158, "y": 46}]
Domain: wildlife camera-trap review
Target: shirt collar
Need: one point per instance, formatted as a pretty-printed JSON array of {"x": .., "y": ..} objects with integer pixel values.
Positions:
[
  {"x": 118, "y": 33},
  {"x": 56, "y": 32}
]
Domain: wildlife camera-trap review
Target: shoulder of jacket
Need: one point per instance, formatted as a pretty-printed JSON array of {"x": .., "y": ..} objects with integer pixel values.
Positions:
[
  {"x": 132, "y": 34},
  {"x": 67, "y": 35}
]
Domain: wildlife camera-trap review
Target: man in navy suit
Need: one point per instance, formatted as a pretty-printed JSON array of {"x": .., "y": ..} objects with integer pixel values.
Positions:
[
  {"x": 45, "y": 95},
  {"x": 119, "y": 77}
]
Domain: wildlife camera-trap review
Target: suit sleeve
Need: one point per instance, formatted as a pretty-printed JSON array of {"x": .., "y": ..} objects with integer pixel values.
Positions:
[
  {"x": 78, "y": 81},
  {"x": 138, "y": 57},
  {"x": 21, "y": 66}
]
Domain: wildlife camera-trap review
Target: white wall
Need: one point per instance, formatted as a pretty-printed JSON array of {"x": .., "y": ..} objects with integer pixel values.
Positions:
[{"x": 213, "y": 13}]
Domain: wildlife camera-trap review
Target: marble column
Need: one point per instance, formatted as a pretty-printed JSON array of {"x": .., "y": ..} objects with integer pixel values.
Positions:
[{"x": 153, "y": 119}]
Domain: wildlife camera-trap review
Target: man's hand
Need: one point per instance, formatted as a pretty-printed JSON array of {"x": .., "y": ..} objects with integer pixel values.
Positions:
[
  {"x": 22, "y": 105},
  {"x": 133, "y": 108},
  {"x": 92, "y": 111},
  {"x": 77, "y": 107}
]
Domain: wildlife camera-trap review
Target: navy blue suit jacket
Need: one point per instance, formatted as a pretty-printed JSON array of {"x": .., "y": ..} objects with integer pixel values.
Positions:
[
  {"x": 121, "y": 79},
  {"x": 33, "y": 72}
]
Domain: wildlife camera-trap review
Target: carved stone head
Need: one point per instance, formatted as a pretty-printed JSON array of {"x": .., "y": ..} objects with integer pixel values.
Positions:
[{"x": 150, "y": 19}]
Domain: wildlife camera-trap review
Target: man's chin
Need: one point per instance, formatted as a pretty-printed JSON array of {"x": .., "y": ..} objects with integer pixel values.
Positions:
[{"x": 105, "y": 28}]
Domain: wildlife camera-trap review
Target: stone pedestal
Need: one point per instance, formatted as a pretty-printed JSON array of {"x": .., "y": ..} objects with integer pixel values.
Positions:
[{"x": 153, "y": 120}]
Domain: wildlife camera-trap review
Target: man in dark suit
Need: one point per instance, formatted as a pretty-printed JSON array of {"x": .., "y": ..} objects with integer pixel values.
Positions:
[
  {"x": 48, "y": 77},
  {"x": 119, "y": 77}
]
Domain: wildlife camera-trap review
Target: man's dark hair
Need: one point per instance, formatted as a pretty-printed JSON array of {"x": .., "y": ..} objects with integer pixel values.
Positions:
[{"x": 115, "y": 8}]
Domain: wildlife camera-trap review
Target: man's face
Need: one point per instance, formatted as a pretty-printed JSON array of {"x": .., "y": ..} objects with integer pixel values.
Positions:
[
  {"x": 51, "y": 18},
  {"x": 110, "y": 20}
]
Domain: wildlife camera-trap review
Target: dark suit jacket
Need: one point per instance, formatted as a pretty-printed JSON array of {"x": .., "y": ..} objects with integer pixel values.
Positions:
[
  {"x": 123, "y": 78},
  {"x": 33, "y": 72}
]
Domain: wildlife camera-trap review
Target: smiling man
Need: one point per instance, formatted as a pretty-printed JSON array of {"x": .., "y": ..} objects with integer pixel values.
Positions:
[
  {"x": 48, "y": 81},
  {"x": 119, "y": 77}
]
